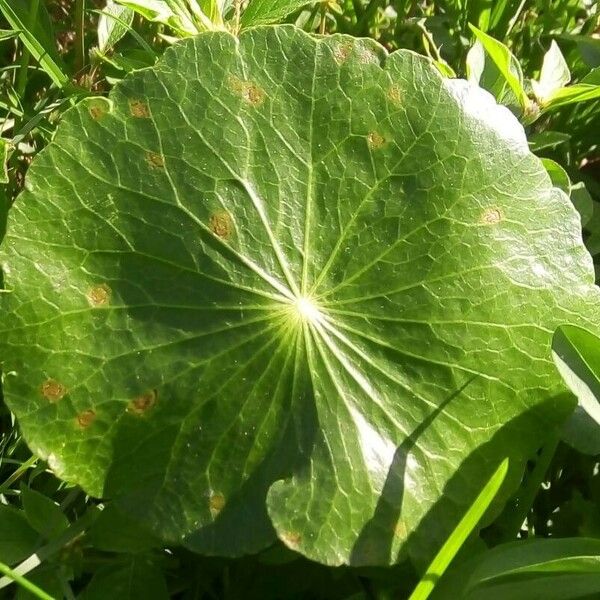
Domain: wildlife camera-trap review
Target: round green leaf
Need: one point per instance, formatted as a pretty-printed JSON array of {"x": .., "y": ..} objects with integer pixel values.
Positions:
[{"x": 290, "y": 286}]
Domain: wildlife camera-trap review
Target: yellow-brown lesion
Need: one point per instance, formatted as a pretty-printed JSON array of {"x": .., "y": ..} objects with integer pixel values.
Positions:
[
  {"x": 221, "y": 224},
  {"x": 139, "y": 109},
  {"x": 53, "y": 390},
  {"x": 99, "y": 295},
  {"x": 291, "y": 539},
  {"x": 97, "y": 110},
  {"x": 342, "y": 52},
  {"x": 141, "y": 404},
  {"x": 395, "y": 95},
  {"x": 86, "y": 418},
  {"x": 248, "y": 90},
  {"x": 375, "y": 140},
  {"x": 155, "y": 160},
  {"x": 491, "y": 216},
  {"x": 216, "y": 503}
]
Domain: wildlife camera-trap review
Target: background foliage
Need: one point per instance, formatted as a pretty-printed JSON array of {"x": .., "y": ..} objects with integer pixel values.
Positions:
[{"x": 53, "y": 52}]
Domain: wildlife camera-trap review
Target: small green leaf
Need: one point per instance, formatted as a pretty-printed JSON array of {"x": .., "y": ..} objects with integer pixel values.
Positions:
[
  {"x": 582, "y": 201},
  {"x": 43, "y": 514},
  {"x": 114, "y": 22},
  {"x": 554, "y": 75},
  {"x": 208, "y": 9},
  {"x": 576, "y": 353},
  {"x": 587, "y": 89},
  {"x": 8, "y": 34},
  {"x": 543, "y": 140},
  {"x": 506, "y": 63},
  {"x": 263, "y": 12},
  {"x": 113, "y": 531},
  {"x": 168, "y": 12},
  {"x": 132, "y": 60},
  {"x": 552, "y": 569},
  {"x": 17, "y": 538},
  {"x": 558, "y": 175},
  {"x": 593, "y": 77},
  {"x": 137, "y": 579}
]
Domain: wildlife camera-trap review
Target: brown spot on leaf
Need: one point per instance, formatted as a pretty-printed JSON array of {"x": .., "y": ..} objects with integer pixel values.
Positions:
[
  {"x": 138, "y": 109},
  {"x": 155, "y": 160},
  {"x": 491, "y": 216},
  {"x": 341, "y": 52},
  {"x": 86, "y": 418},
  {"x": 99, "y": 295},
  {"x": 291, "y": 538},
  {"x": 143, "y": 403},
  {"x": 52, "y": 390},
  {"x": 98, "y": 109},
  {"x": 395, "y": 95},
  {"x": 368, "y": 56},
  {"x": 221, "y": 224},
  {"x": 375, "y": 140},
  {"x": 248, "y": 90},
  {"x": 400, "y": 530},
  {"x": 216, "y": 503}
]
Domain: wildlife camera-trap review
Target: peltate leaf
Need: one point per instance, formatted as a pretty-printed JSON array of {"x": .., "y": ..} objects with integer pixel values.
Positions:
[{"x": 280, "y": 285}]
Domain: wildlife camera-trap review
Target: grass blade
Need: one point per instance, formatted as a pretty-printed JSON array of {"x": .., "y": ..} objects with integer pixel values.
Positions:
[
  {"x": 461, "y": 532},
  {"x": 33, "y": 45},
  {"x": 24, "y": 583}
]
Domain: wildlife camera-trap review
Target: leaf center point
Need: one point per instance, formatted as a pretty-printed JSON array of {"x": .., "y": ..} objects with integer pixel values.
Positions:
[{"x": 307, "y": 310}]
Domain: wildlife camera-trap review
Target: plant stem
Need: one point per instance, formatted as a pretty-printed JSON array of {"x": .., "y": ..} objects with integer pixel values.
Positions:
[
  {"x": 79, "y": 35},
  {"x": 322, "y": 22},
  {"x": 515, "y": 18},
  {"x": 24, "y": 66},
  {"x": 24, "y": 583}
]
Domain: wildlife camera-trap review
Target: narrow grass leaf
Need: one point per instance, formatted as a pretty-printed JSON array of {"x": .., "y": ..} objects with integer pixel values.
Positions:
[
  {"x": 32, "y": 43},
  {"x": 25, "y": 583},
  {"x": 462, "y": 531}
]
